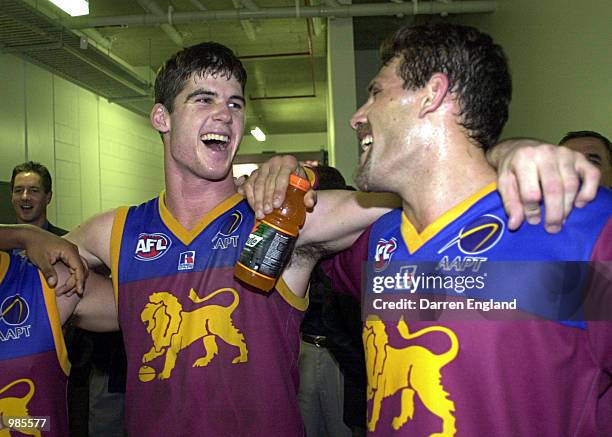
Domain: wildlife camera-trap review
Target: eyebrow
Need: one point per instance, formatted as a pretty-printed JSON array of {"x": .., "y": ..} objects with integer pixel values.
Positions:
[
  {"x": 595, "y": 156},
  {"x": 372, "y": 85},
  {"x": 205, "y": 92}
]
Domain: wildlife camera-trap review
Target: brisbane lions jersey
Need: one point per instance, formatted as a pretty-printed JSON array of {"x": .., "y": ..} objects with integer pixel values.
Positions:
[
  {"x": 33, "y": 359},
  {"x": 207, "y": 355},
  {"x": 456, "y": 376}
]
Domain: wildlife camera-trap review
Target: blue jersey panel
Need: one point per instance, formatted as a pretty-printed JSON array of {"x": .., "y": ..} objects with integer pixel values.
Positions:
[
  {"x": 24, "y": 323},
  {"x": 526, "y": 264}
]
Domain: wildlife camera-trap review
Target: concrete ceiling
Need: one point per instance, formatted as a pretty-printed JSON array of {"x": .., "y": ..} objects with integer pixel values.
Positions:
[{"x": 285, "y": 57}]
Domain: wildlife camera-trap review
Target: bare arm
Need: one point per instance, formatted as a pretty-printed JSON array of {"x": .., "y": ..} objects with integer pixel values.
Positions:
[
  {"x": 341, "y": 216},
  {"x": 93, "y": 238},
  {"x": 45, "y": 250},
  {"x": 95, "y": 310},
  {"x": 529, "y": 171}
]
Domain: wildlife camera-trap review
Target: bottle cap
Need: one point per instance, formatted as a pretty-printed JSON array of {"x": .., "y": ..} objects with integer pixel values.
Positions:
[{"x": 299, "y": 182}]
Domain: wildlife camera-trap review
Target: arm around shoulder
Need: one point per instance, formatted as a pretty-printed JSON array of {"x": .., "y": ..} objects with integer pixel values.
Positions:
[{"x": 340, "y": 216}]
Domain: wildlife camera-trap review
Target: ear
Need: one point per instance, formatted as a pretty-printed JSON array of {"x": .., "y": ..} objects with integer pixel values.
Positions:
[
  {"x": 48, "y": 196},
  {"x": 435, "y": 91},
  {"x": 160, "y": 118}
]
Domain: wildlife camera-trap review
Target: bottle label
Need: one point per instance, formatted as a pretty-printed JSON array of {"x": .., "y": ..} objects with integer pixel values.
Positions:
[{"x": 267, "y": 250}]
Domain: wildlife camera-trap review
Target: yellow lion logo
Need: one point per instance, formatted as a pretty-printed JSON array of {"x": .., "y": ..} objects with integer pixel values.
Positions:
[
  {"x": 16, "y": 408},
  {"x": 411, "y": 370},
  {"x": 173, "y": 329}
]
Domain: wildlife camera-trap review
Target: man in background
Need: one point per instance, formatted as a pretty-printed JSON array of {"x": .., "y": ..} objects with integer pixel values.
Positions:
[
  {"x": 596, "y": 148},
  {"x": 31, "y": 193},
  {"x": 321, "y": 380}
]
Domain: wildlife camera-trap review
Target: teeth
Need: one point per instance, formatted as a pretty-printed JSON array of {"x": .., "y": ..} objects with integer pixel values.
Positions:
[
  {"x": 214, "y": 137},
  {"x": 366, "y": 142}
]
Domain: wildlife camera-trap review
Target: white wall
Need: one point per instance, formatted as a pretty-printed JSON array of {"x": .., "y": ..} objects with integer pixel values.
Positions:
[
  {"x": 100, "y": 155},
  {"x": 559, "y": 53}
]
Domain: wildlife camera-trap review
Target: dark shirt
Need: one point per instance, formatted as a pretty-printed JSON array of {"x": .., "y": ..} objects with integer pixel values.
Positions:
[
  {"x": 47, "y": 227},
  {"x": 54, "y": 229},
  {"x": 320, "y": 287}
]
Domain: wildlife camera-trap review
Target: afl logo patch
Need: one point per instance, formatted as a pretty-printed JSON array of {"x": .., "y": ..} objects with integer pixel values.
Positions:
[
  {"x": 151, "y": 246},
  {"x": 478, "y": 236},
  {"x": 384, "y": 253},
  {"x": 14, "y": 310}
]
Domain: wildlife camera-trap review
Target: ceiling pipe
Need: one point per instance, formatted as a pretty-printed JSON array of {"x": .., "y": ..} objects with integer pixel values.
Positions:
[
  {"x": 317, "y": 22},
  {"x": 99, "y": 39},
  {"x": 247, "y": 26},
  {"x": 342, "y": 11},
  {"x": 167, "y": 28},
  {"x": 198, "y": 5}
]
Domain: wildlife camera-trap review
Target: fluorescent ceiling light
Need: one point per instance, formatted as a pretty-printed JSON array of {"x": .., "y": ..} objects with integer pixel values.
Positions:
[
  {"x": 258, "y": 134},
  {"x": 74, "y": 8}
]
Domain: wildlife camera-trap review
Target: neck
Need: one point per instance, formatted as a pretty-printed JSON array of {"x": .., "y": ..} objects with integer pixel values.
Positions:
[
  {"x": 40, "y": 222},
  {"x": 447, "y": 176},
  {"x": 189, "y": 198}
]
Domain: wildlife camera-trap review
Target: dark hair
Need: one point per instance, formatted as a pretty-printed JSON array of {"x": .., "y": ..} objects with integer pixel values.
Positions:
[
  {"x": 208, "y": 58},
  {"x": 476, "y": 68},
  {"x": 37, "y": 168},
  {"x": 588, "y": 134},
  {"x": 330, "y": 178}
]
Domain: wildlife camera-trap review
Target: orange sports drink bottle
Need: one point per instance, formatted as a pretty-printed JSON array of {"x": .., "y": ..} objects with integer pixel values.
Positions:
[{"x": 272, "y": 239}]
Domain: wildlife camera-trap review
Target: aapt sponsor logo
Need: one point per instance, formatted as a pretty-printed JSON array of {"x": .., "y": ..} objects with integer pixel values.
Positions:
[
  {"x": 384, "y": 253},
  {"x": 224, "y": 237},
  {"x": 14, "y": 312},
  {"x": 151, "y": 246},
  {"x": 478, "y": 236}
]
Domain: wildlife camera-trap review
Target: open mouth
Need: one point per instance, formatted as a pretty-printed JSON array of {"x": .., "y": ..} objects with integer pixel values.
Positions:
[
  {"x": 366, "y": 142},
  {"x": 217, "y": 142}
]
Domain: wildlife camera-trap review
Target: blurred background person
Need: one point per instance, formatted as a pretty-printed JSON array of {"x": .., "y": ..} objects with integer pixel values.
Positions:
[
  {"x": 321, "y": 394},
  {"x": 31, "y": 193},
  {"x": 595, "y": 147}
]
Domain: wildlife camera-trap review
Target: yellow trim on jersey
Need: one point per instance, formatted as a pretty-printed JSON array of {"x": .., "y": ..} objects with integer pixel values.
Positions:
[
  {"x": 5, "y": 260},
  {"x": 56, "y": 324},
  {"x": 115, "y": 247},
  {"x": 299, "y": 303},
  {"x": 311, "y": 175},
  {"x": 414, "y": 241},
  {"x": 187, "y": 236}
]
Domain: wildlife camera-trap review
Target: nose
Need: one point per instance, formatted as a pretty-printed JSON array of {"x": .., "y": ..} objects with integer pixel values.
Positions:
[
  {"x": 222, "y": 113},
  {"x": 359, "y": 118},
  {"x": 25, "y": 194}
]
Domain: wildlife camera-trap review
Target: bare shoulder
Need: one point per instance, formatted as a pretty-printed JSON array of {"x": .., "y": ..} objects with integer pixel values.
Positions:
[{"x": 93, "y": 238}]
